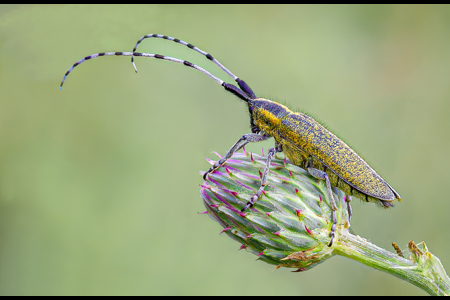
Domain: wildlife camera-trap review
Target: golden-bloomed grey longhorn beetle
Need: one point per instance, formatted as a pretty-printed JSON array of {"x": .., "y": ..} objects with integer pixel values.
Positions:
[{"x": 303, "y": 140}]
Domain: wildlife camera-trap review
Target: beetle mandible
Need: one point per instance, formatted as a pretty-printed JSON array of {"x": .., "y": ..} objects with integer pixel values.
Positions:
[{"x": 303, "y": 140}]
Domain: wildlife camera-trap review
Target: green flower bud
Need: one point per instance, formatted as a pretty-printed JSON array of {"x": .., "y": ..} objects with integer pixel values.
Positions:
[{"x": 290, "y": 224}]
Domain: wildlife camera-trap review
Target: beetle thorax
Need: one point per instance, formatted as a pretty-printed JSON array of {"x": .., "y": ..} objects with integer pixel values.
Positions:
[{"x": 267, "y": 115}]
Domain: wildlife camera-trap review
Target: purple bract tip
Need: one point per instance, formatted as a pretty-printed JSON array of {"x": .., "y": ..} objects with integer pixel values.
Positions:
[
  {"x": 262, "y": 253},
  {"x": 308, "y": 230},
  {"x": 201, "y": 213},
  {"x": 217, "y": 154},
  {"x": 299, "y": 270},
  {"x": 210, "y": 161},
  {"x": 225, "y": 229},
  {"x": 262, "y": 150},
  {"x": 242, "y": 247}
]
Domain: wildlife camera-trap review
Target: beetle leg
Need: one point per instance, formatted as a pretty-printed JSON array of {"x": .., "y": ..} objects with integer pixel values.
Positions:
[
  {"x": 323, "y": 175},
  {"x": 278, "y": 147},
  {"x": 270, "y": 154},
  {"x": 244, "y": 140}
]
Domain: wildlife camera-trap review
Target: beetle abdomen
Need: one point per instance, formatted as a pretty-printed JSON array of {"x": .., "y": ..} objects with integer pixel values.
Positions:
[{"x": 301, "y": 136}]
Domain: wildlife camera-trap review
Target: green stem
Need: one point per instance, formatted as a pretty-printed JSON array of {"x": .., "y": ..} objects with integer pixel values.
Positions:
[{"x": 425, "y": 271}]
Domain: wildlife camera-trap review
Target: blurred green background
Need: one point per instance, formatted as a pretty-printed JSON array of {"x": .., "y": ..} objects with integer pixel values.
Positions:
[{"x": 99, "y": 182}]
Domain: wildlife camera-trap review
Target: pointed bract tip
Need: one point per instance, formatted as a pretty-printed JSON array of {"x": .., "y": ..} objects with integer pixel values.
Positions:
[
  {"x": 225, "y": 229},
  {"x": 308, "y": 230},
  {"x": 242, "y": 247},
  {"x": 204, "y": 212},
  {"x": 299, "y": 270},
  {"x": 210, "y": 161},
  {"x": 217, "y": 154}
]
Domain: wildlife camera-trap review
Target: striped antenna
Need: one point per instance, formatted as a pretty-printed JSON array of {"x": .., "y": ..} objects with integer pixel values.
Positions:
[
  {"x": 227, "y": 86},
  {"x": 190, "y": 46},
  {"x": 241, "y": 83}
]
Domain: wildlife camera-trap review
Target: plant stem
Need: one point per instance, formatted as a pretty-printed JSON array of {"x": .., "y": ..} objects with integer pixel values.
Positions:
[{"x": 424, "y": 270}]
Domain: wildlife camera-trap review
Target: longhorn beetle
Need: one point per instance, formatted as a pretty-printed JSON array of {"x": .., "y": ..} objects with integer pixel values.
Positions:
[{"x": 303, "y": 140}]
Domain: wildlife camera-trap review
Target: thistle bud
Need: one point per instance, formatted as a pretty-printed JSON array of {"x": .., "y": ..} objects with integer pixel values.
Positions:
[{"x": 290, "y": 224}]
